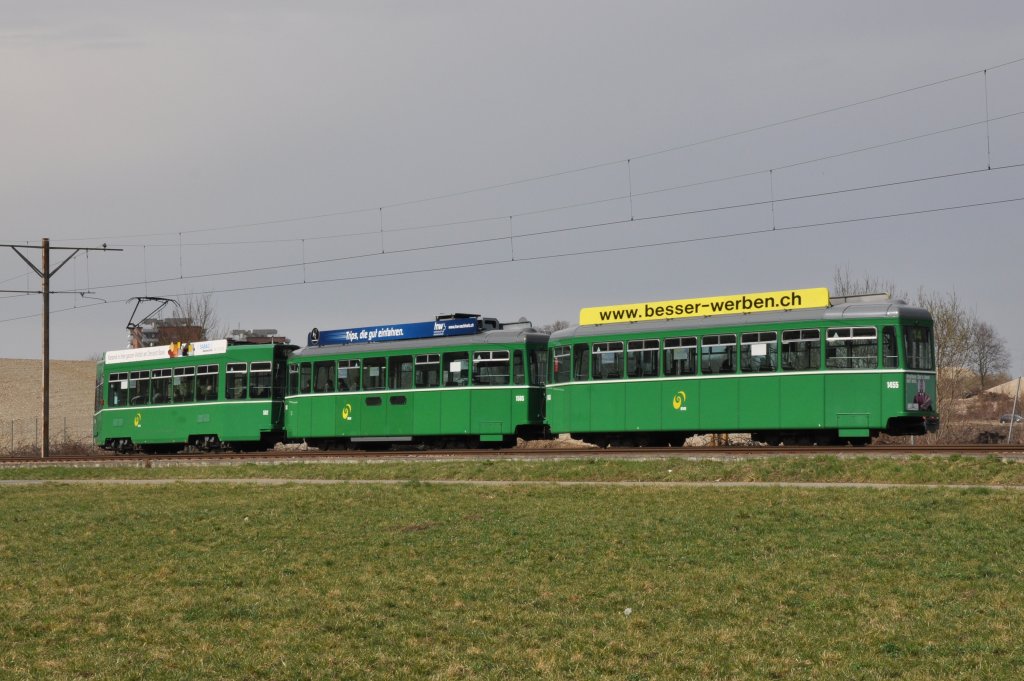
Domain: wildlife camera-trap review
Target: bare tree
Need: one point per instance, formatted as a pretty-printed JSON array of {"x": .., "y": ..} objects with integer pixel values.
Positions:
[
  {"x": 554, "y": 326},
  {"x": 845, "y": 284},
  {"x": 198, "y": 310},
  {"x": 988, "y": 354},
  {"x": 953, "y": 326}
]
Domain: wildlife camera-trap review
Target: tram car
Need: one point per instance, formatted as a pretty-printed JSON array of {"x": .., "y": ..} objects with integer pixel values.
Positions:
[
  {"x": 835, "y": 374},
  {"x": 206, "y": 395},
  {"x": 458, "y": 381}
]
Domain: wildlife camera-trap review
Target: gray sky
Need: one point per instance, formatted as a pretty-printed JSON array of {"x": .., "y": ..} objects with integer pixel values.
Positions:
[{"x": 149, "y": 123}]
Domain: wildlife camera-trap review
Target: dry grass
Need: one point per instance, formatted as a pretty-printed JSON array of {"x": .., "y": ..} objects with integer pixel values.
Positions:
[{"x": 951, "y": 470}]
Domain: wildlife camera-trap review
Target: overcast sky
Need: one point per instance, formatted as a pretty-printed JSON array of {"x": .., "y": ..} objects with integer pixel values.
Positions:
[{"x": 159, "y": 127}]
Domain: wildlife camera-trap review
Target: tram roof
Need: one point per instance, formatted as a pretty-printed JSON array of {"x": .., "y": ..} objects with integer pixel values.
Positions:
[
  {"x": 201, "y": 351},
  {"x": 500, "y": 336},
  {"x": 896, "y": 309}
]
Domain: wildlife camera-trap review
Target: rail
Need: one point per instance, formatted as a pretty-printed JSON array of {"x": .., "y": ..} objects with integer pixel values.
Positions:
[{"x": 1005, "y": 451}]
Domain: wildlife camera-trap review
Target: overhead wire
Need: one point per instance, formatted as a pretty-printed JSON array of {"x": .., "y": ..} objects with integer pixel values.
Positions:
[
  {"x": 511, "y": 236},
  {"x": 569, "y": 254},
  {"x": 590, "y": 225},
  {"x": 768, "y": 230},
  {"x": 581, "y": 204},
  {"x": 595, "y": 166}
]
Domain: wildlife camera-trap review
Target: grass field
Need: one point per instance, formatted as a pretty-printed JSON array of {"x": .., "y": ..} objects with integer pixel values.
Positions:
[
  {"x": 429, "y": 581},
  {"x": 915, "y": 470}
]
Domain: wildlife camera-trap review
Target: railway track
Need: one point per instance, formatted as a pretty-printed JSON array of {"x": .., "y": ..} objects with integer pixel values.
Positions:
[{"x": 1004, "y": 451}]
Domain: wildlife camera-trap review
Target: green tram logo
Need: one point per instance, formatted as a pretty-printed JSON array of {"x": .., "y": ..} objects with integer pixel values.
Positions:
[
  {"x": 346, "y": 413},
  {"x": 138, "y": 419},
  {"x": 679, "y": 401}
]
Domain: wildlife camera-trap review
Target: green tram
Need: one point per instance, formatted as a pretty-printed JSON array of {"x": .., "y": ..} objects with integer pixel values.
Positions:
[
  {"x": 840, "y": 374},
  {"x": 203, "y": 395},
  {"x": 458, "y": 381}
]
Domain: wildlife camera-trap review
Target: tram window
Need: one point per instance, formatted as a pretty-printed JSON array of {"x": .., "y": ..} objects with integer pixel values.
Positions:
[
  {"x": 606, "y": 361},
  {"x": 490, "y": 367},
  {"x": 680, "y": 356},
  {"x": 160, "y": 386},
  {"x": 718, "y": 354},
  {"x": 455, "y": 369},
  {"x": 323, "y": 377},
  {"x": 801, "y": 350},
  {"x": 261, "y": 379},
  {"x": 918, "y": 348},
  {"x": 851, "y": 348},
  {"x": 401, "y": 372},
  {"x": 117, "y": 390},
  {"x": 293, "y": 379},
  {"x": 235, "y": 382},
  {"x": 184, "y": 384},
  {"x": 348, "y": 375},
  {"x": 305, "y": 378},
  {"x": 757, "y": 351},
  {"x": 890, "y": 351},
  {"x": 580, "y": 361},
  {"x": 518, "y": 370},
  {"x": 374, "y": 373},
  {"x": 138, "y": 387},
  {"x": 561, "y": 364},
  {"x": 538, "y": 366},
  {"x": 428, "y": 371},
  {"x": 206, "y": 383},
  {"x": 642, "y": 358}
]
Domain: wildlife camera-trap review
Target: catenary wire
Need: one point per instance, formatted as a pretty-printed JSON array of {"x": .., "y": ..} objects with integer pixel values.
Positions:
[
  {"x": 986, "y": 122},
  {"x": 538, "y": 178},
  {"x": 581, "y": 204},
  {"x": 548, "y": 256},
  {"x": 557, "y": 230}
]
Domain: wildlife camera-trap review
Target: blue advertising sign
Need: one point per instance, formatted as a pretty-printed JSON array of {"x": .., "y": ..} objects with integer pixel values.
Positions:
[{"x": 393, "y": 332}]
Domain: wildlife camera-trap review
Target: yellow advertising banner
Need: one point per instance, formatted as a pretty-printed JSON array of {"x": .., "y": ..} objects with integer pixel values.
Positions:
[{"x": 743, "y": 303}]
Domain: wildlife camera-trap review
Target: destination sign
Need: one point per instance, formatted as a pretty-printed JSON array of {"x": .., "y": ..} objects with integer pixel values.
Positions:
[
  {"x": 394, "y": 332},
  {"x": 195, "y": 349},
  {"x": 772, "y": 301}
]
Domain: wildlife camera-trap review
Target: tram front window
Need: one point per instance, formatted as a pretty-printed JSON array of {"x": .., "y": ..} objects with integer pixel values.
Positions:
[{"x": 919, "y": 348}]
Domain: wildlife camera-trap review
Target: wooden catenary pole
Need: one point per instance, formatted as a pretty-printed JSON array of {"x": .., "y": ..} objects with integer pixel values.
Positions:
[{"x": 45, "y": 273}]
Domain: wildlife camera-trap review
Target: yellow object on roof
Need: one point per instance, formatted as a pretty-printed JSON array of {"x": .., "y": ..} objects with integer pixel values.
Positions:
[{"x": 772, "y": 301}]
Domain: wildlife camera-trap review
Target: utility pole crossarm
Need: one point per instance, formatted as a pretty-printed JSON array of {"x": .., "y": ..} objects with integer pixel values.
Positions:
[
  {"x": 75, "y": 250},
  {"x": 45, "y": 273},
  {"x": 77, "y": 293},
  {"x": 104, "y": 247},
  {"x": 27, "y": 261},
  {"x": 64, "y": 262}
]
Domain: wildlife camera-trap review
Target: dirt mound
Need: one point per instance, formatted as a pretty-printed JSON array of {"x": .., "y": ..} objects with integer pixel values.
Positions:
[
  {"x": 72, "y": 385},
  {"x": 1009, "y": 388},
  {"x": 560, "y": 442}
]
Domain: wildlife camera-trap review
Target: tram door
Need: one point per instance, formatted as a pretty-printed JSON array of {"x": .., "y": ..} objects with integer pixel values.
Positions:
[
  {"x": 720, "y": 390},
  {"x": 373, "y": 409},
  {"x": 425, "y": 403},
  {"x": 323, "y": 413},
  {"x": 349, "y": 418},
  {"x": 579, "y": 398},
  {"x": 296, "y": 415},
  {"x": 398, "y": 402}
]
